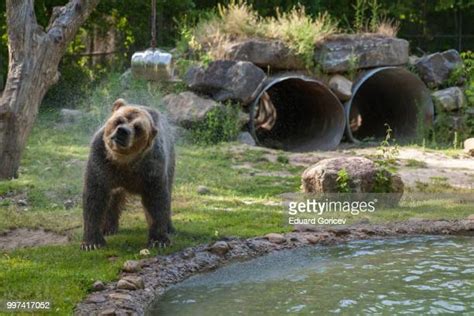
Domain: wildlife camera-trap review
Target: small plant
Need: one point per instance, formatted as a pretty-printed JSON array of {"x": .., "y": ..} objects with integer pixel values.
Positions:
[
  {"x": 456, "y": 140},
  {"x": 300, "y": 31},
  {"x": 342, "y": 181},
  {"x": 387, "y": 27},
  {"x": 413, "y": 163},
  {"x": 374, "y": 15},
  {"x": 220, "y": 125},
  {"x": 283, "y": 159},
  {"x": 353, "y": 66},
  {"x": 376, "y": 23},
  {"x": 359, "y": 18},
  {"x": 386, "y": 162}
]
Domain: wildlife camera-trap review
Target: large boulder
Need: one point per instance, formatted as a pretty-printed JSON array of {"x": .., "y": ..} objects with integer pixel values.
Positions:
[
  {"x": 469, "y": 146},
  {"x": 265, "y": 53},
  {"x": 322, "y": 177},
  {"x": 435, "y": 69},
  {"x": 187, "y": 108},
  {"x": 450, "y": 99},
  {"x": 227, "y": 80},
  {"x": 341, "y": 53}
]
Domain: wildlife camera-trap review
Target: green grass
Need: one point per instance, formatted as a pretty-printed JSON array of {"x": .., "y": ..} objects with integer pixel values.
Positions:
[
  {"x": 241, "y": 203},
  {"x": 413, "y": 163}
]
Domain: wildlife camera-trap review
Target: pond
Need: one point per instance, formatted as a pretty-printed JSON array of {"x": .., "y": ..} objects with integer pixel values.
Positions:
[{"x": 415, "y": 275}]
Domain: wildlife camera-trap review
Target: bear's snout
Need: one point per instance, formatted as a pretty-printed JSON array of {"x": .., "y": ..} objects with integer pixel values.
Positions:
[{"x": 122, "y": 136}]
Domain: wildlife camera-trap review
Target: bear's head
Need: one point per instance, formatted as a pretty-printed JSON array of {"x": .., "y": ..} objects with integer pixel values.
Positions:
[{"x": 129, "y": 132}]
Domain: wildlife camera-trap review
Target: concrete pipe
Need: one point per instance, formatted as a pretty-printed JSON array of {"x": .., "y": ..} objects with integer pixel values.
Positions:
[
  {"x": 297, "y": 113},
  {"x": 389, "y": 95}
]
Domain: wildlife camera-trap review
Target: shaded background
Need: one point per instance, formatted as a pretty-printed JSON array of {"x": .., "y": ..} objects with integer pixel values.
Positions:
[{"x": 120, "y": 27}]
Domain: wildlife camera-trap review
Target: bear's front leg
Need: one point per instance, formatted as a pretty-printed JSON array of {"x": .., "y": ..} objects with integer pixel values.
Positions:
[
  {"x": 157, "y": 204},
  {"x": 95, "y": 199}
]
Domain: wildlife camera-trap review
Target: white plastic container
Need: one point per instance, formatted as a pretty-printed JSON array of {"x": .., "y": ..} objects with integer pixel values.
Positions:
[{"x": 152, "y": 64}]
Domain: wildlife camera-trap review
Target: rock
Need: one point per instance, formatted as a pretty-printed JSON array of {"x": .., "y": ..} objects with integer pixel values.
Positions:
[
  {"x": 70, "y": 116},
  {"x": 96, "y": 298},
  {"x": 450, "y": 99},
  {"x": 22, "y": 202},
  {"x": 108, "y": 312},
  {"x": 313, "y": 239},
  {"x": 412, "y": 60},
  {"x": 144, "y": 252},
  {"x": 98, "y": 285},
  {"x": 187, "y": 109},
  {"x": 120, "y": 296},
  {"x": 203, "y": 190},
  {"x": 131, "y": 266},
  {"x": 322, "y": 176},
  {"x": 264, "y": 53},
  {"x": 227, "y": 80},
  {"x": 342, "y": 53},
  {"x": 131, "y": 282},
  {"x": 470, "y": 217},
  {"x": 469, "y": 146},
  {"x": 275, "y": 238},
  {"x": 341, "y": 86},
  {"x": 246, "y": 138},
  {"x": 68, "y": 204},
  {"x": 219, "y": 248},
  {"x": 436, "y": 68}
]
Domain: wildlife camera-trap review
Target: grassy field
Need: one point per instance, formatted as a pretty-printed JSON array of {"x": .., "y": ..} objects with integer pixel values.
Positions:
[{"x": 243, "y": 201}]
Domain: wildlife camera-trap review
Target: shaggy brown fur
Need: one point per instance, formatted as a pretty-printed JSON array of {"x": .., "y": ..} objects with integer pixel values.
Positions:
[{"x": 132, "y": 153}]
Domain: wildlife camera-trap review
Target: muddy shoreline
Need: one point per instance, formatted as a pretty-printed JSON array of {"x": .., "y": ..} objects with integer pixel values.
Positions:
[{"x": 160, "y": 272}]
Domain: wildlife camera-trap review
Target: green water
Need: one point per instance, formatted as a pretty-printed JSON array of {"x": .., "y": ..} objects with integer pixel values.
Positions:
[{"x": 412, "y": 276}]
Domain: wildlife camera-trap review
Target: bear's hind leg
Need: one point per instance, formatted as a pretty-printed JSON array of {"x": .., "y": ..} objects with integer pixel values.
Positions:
[{"x": 115, "y": 205}]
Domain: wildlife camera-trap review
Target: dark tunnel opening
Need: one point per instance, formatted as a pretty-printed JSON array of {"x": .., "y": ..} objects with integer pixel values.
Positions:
[
  {"x": 297, "y": 113},
  {"x": 392, "y": 96}
]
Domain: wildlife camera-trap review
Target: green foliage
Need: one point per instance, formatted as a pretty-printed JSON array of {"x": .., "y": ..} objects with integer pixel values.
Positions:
[
  {"x": 353, "y": 66},
  {"x": 386, "y": 161},
  {"x": 360, "y": 8},
  {"x": 300, "y": 31},
  {"x": 342, "y": 181},
  {"x": 413, "y": 163},
  {"x": 375, "y": 19},
  {"x": 239, "y": 20},
  {"x": 220, "y": 125},
  {"x": 468, "y": 61},
  {"x": 281, "y": 158}
]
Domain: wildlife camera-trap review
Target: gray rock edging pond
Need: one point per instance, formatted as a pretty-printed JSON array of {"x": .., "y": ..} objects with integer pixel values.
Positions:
[{"x": 162, "y": 271}]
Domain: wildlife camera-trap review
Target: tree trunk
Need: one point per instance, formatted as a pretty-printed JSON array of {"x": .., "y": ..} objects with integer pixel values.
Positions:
[{"x": 34, "y": 56}]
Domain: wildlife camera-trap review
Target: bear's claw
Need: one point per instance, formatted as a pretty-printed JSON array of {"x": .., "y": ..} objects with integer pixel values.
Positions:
[
  {"x": 162, "y": 242},
  {"x": 90, "y": 247}
]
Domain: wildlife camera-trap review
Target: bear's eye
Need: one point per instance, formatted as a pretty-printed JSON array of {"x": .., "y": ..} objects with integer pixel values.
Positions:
[
  {"x": 138, "y": 129},
  {"x": 119, "y": 121}
]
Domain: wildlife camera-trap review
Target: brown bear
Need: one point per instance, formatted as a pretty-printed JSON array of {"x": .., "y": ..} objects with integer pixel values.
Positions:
[{"x": 132, "y": 153}]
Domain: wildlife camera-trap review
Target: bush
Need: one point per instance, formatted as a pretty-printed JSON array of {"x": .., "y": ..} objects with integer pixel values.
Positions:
[
  {"x": 238, "y": 20},
  {"x": 220, "y": 125}
]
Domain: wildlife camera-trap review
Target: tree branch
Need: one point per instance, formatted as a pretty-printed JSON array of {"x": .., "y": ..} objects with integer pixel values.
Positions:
[{"x": 66, "y": 20}]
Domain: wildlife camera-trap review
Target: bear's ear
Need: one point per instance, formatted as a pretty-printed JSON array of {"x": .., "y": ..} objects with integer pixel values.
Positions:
[{"x": 118, "y": 104}]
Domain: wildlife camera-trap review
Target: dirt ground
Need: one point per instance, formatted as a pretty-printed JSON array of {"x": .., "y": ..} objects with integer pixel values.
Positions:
[
  {"x": 414, "y": 165},
  {"x": 22, "y": 237}
]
